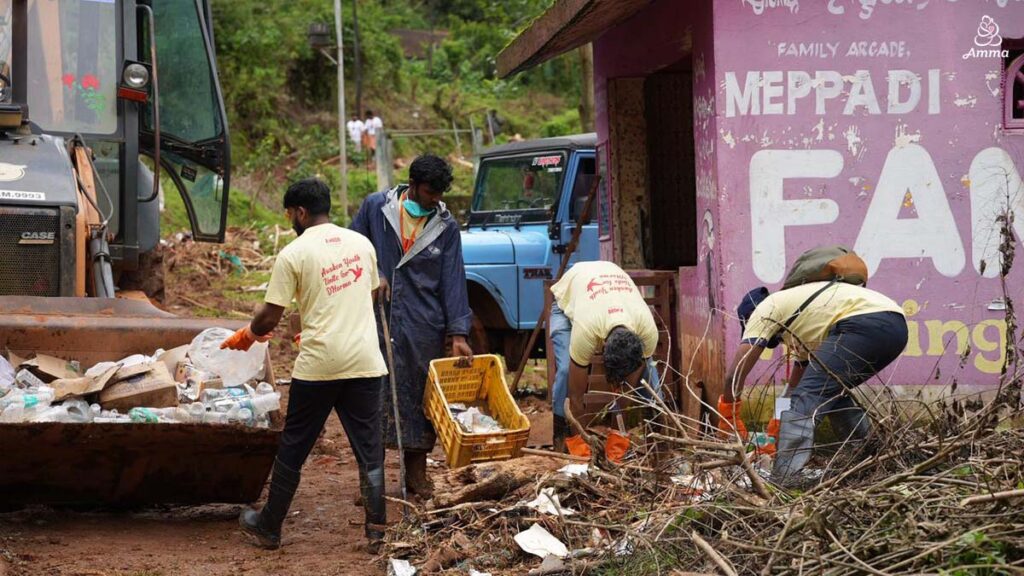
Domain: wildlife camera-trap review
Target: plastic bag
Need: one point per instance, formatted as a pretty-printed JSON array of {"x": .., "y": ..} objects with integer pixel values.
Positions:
[
  {"x": 233, "y": 366},
  {"x": 6, "y": 374}
]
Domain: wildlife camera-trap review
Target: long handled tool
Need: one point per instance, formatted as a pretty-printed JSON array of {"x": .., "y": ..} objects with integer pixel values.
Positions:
[{"x": 394, "y": 399}]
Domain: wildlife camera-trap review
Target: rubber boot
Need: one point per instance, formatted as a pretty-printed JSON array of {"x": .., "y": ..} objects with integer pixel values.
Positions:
[
  {"x": 265, "y": 525},
  {"x": 360, "y": 499},
  {"x": 376, "y": 509},
  {"x": 560, "y": 431},
  {"x": 796, "y": 442},
  {"x": 849, "y": 424},
  {"x": 416, "y": 480}
]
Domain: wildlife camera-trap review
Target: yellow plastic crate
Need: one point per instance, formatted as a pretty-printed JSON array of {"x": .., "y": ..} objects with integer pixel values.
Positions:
[{"x": 484, "y": 380}]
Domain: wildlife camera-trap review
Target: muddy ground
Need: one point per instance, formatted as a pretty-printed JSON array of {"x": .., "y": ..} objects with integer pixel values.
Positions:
[{"x": 322, "y": 536}]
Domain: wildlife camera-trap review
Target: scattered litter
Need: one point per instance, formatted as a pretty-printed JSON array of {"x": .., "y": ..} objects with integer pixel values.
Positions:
[
  {"x": 261, "y": 288},
  {"x": 400, "y": 568},
  {"x": 547, "y": 503},
  {"x": 572, "y": 470},
  {"x": 473, "y": 572},
  {"x": 550, "y": 565},
  {"x": 539, "y": 542}
]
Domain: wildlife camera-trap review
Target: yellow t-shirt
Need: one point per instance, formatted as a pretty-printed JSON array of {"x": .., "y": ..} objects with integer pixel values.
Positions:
[
  {"x": 811, "y": 326},
  {"x": 331, "y": 273},
  {"x": 597, "y": 297}
]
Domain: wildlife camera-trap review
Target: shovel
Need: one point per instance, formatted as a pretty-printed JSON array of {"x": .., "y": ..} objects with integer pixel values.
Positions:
[{"x": 394, "y": 401}]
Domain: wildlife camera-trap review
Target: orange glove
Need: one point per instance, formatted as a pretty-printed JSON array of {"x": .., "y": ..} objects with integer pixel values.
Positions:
[
  {"x": 730, "y": 422},
  {"x": 243, "y": 339},
  {"x": 615, "y": 447},
  {"x": 577, "y": 446},
  {"x": 298, "y": 339}
]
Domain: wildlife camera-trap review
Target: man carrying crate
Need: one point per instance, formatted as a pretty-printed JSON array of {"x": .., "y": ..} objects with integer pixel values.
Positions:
[
  {"x": 598, "y": 308},
  {"x": 331, "y": 272},
  {"x": 423, "y": 279}
]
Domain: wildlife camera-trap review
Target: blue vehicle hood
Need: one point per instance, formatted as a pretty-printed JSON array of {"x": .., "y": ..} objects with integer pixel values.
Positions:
[{"x": 487, "y": 247}]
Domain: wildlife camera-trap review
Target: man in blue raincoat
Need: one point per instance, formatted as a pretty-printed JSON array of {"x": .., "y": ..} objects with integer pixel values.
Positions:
[{"x": 423, "y": 281}]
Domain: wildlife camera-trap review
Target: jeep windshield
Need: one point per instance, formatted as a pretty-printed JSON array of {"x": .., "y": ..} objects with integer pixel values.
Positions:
[{"x": 518, "y": 189}]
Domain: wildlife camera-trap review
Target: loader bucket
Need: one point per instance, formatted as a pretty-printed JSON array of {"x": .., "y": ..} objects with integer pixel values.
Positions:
[{"x": 120, "y": 464}]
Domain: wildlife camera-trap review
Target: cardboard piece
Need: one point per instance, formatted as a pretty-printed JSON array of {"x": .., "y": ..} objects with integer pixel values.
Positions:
[
  {"x": 126, "y": 372},
  {"x": 15, "y": 360},
  {"x": 64, "y": 388},
  {"x": 50, "y": 368},
  {"x": 153, "y": 389},
  {"x": 173, "y": 358}
]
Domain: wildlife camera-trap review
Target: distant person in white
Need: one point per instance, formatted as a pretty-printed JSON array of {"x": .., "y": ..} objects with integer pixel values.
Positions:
[
  {"x": 372, "y": 127},
  {"x": 355, "y": 128}
]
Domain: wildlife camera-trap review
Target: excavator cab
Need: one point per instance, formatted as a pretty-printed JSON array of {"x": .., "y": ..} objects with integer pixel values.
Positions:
[{"x": 104, "y": 106}]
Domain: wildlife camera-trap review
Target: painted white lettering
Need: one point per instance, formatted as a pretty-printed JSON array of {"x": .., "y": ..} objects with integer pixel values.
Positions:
[
  {"x": 862, "y": 93},
  {"x": 909, "y": 170},
  {"x": 933, "y": 91},
  {"x": 996, "y": 188},
  {"x": 898, "y": 78},
  {"x": 798, "y": 86},
  {"x": 828, "y": 84},
  {"x": 747, "y": 99},
  {"x": 772, "y": 90},
  {"x": 771, "y": 213}
]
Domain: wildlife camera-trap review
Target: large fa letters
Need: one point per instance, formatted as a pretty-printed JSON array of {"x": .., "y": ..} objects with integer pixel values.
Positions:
[
  {"x": 909, "y": 178},
  {"x": 770, "y": 213}
]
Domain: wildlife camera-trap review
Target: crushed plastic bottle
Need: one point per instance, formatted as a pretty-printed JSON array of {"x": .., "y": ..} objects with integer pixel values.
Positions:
[
  {"x": 143, "y": 416},
  {"x": 212, "y": 395},
  {"x": 74, "y": 411},
  {"x": 26, "y": 379},
  {"x": 233, "y": 366},
  {"x": 23, "y": 405}
]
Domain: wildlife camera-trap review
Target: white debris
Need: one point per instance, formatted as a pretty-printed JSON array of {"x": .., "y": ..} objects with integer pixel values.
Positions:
[
  {"x": 539, "y": 542},
  {"x": 547, "y": 503},
  {"x": 400, "y": 568},
  {"x": 478, "y": 573},
  {"x": 572, "y": 470}
]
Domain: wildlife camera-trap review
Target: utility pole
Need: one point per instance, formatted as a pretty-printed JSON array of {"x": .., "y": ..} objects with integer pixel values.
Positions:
[
  {"x": 587, "y": 90},
  {"x": 341, "y": 113},
  {"x": 358, "y": 58}
]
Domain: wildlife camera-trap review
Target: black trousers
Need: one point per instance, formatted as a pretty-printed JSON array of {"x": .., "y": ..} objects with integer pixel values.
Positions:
[{"x": 357, "y": 402}]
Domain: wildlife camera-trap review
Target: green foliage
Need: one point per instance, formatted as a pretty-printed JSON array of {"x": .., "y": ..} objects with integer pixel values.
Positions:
[
  {"x": 281, "y": 94},
  {"x": 566, "y": 123}
]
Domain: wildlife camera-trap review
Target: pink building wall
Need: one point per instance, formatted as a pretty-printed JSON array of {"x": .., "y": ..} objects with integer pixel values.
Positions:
[{"x": 876, "y": 125}]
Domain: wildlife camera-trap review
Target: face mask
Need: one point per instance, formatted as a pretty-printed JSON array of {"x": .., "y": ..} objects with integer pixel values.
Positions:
[{"x": 414, "y": 209}]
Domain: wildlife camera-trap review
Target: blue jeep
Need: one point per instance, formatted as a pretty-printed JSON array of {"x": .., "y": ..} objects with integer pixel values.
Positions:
[{"x": 525, "y": 204}]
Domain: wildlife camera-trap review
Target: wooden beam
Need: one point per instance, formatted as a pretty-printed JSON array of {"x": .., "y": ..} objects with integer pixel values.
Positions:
[{"x": 567, "y": 25}]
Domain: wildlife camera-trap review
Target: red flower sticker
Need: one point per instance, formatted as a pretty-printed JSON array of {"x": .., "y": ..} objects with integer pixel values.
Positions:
[
  {"x": 68, "y": 80},
  {"x": 90, "y": 81}
]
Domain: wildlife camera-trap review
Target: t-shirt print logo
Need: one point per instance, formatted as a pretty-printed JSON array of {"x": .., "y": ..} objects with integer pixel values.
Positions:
[
  {"x": 335, "y": 279},
  {"x": 988, "y": 33}
]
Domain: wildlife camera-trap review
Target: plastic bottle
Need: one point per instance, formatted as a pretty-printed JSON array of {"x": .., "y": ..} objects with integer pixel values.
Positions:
[
  {"x": 26, "y": 379},
  {"x": 264, "y": 388},
  {"x": 6, "y": 375},
  {"x": 143, "y": 416},
  {"x": 196, "y": 412},
  {"x": 263, "y": 404},
  {"x": 209, "y": 396},
  {"x": 22, "y": 406},
  {"x": 71, "y": 411},
  {"x": 240, "y": 415}
]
